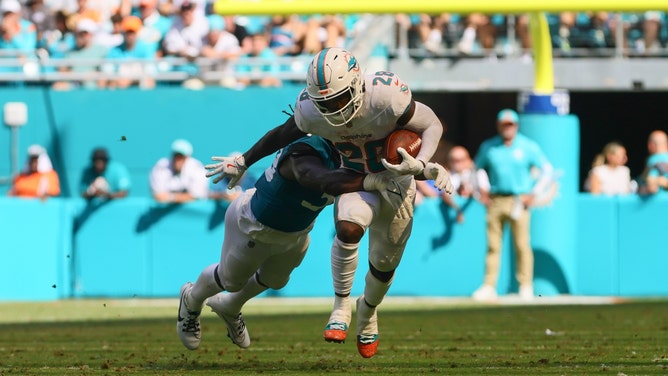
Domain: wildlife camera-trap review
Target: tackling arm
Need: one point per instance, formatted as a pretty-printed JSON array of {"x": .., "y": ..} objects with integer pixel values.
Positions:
[
  {"x": 309, "y": 171},
  {"x": 273, "y": 140}
]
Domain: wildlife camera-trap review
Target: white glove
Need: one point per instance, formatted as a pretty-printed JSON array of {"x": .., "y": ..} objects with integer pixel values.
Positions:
[
  {"x": 234, "y": 167},
  {"x": 440, "y": 176},
  {"x": 386, "y": 183},
  {"x": 408, "y": 165}
]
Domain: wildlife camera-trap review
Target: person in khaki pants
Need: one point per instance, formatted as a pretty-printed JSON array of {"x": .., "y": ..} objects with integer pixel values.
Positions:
[{"x": 511, "y": 161}]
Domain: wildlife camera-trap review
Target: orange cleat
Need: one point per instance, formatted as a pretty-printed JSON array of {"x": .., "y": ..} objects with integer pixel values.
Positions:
[
  {"x": 336, "y": 332},
  {"x": 367, "y": 345}
]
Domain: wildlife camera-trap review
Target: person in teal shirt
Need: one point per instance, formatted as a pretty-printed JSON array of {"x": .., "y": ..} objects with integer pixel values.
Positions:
[
  {"x": 103, "y": 178},
  {"x": 657, "y": 163},
  {"x": 511, "y": 161},
  {"x": 18, "y": 37},
  {"x": 138, "y": 69}
]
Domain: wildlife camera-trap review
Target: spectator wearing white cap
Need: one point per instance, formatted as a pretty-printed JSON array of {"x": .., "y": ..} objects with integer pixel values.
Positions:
[
  {"x": 510, "y": 160},
  {"x": 38, "y": 178},
  {"x": 180, "y": 178}
]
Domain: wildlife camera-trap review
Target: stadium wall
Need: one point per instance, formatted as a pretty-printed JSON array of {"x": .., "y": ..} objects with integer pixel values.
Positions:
[{"x": 66, "y": 247}]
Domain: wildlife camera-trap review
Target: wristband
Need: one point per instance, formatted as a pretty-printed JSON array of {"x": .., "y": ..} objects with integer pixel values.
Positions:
[{"x": 369, "y": 182}]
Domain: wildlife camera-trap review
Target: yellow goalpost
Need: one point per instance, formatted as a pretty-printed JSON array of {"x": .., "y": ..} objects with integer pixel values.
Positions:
[{"x": 257, "y": 7}]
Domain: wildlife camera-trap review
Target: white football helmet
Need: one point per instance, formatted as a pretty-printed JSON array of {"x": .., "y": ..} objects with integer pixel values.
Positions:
[{"x": 334, "y": 84}]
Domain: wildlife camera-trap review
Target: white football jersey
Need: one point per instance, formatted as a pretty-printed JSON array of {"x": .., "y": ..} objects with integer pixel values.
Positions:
[{"x": 360, "y": 142}]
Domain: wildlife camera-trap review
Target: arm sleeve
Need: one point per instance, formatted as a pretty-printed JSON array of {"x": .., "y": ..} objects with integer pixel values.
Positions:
[{"x": 426, "y": 123}]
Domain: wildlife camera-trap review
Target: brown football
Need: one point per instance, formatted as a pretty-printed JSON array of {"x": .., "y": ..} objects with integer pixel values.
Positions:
[{"x": 401, "y": 138}]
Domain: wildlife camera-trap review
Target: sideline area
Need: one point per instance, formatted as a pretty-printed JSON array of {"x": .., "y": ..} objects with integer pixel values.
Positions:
[{"x": 132, "y": 309}]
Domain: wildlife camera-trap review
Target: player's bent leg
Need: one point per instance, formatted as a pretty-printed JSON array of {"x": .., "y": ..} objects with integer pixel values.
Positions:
[
  {"x": 367, "y": 328},
  {"x": 187, "y": 323},
  {"x": 228, "y": 308},
  {"x": 236, "y": 326}
]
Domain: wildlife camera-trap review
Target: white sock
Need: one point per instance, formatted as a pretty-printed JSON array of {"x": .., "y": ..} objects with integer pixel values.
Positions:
[
  {"x": 234, "y": 301},
  {"x": 344, "y": 265},
  {"x": 205, "y": 287},
  {"x": 375, "y": 290}
]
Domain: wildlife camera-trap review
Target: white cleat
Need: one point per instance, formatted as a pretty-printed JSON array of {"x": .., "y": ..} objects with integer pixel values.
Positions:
[
  {"x": 485, "y": 293},
  {"x": 187, "y": 323},
  {"x": 526, "y": 292},
  {"x": 236, "y": 327}
]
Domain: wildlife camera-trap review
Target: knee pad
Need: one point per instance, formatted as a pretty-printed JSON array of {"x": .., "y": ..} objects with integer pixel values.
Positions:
[
  {"x": 381, "y": 276},
  {"x": 275, "y": 283}
]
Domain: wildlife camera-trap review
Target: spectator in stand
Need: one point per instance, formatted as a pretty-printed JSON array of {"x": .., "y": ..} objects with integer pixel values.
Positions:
[
  {"x": 137, "y": 71},
  {"x": 38, "y": 178},
  {"x": 17, "y": 34},
  {"x": 286, "y": 35},
  {"x": 253, "y": 73},
  {"x": 477, "y": 26},
  {"x": 509, "y": 159},
  {"x": 180, "y": 178},
  {"x": 172, "y": 7},
  {"x": 469, "y": 182},
  {"x": 221, "y": 47},
  {"x": 651, "y": 28},
  {"x": 186, "y": 36},
  {"x": 609, "y": 174},
  {"x": 115, "y": 37},
  {"x": 656, "y": 169},
  {"x": 487, "y": 29},
  {"x": 155, "y": 25},
  {"x": 87, "y": 52},
  {"x": 322, "y": 32},
  {"x": 104, "y": 178},
  {"x": 87, "y": 56},
  {"x": 60, "y": 40},
  {"x": 84, "y": 10},
  {"x": 42, "y": 16},
  {"x": 241, "y": 33}
]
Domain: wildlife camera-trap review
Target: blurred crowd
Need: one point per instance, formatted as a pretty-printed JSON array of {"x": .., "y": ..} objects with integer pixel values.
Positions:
[
  {"x": 76, "y": 35},
  {"x": 130, "y": 41},
  {"x": 572, "y": 33}
]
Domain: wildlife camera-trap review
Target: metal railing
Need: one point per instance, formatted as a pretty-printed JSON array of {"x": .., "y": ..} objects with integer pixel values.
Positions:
[{"x": 20, "y": 69}]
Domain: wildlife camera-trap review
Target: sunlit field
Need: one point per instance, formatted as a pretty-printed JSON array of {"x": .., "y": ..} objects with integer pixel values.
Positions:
[{"x": 417, "y": 337}]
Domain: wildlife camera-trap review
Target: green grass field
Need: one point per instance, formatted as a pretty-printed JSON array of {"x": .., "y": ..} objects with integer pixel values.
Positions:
[{"x": 137, "y": 337}]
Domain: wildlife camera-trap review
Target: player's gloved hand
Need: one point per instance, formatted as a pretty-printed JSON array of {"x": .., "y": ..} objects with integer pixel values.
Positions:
[
  {"x": 440, "y": 176},
  {"x": 232, "y": 167},
  {"x": 387, "y": 184},
  {"x": 408, "y": 165}
]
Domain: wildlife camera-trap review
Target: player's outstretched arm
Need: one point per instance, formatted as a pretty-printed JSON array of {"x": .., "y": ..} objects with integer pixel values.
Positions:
[
  {"x": 273, "y": 140},
  {"x": 235, "y": 166}
]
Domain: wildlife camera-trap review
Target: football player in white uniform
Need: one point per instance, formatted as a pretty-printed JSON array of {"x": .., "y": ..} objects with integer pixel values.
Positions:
[{"x": 356, "y": 112}]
